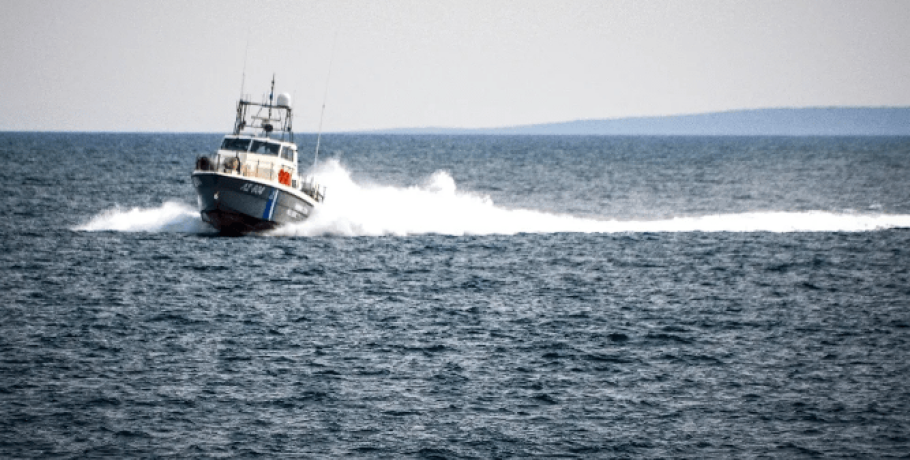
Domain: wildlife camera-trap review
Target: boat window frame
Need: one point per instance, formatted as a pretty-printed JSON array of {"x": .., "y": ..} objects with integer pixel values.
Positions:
[
  {"x": 287, "y": 153},
  {"x": 265, "y": 145},
  {"x": 235, "y": 140}
]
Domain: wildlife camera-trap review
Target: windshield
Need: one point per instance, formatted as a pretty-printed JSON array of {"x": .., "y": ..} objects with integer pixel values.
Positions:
[
  {"x": 265, "y": 148},
  {"x": 240, "y": 145}
]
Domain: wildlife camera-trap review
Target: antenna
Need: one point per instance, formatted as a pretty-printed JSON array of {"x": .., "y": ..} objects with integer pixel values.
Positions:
[
  {"x": 271, "y": 93},
  {"x": 245, "y": 53},
  {"x": 324, "y": 97},
  {"x": 239, "y": 123}
]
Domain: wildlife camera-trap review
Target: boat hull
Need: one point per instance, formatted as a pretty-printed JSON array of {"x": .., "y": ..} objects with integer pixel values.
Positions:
[{"x": 237, "y": 205}]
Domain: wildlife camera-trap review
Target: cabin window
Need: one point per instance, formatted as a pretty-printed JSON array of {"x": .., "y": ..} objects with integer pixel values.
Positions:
[
  {"x": 265, "y": 148},
  {"x": 287, "y": 154},
  {"x": 239, "y": 145}
]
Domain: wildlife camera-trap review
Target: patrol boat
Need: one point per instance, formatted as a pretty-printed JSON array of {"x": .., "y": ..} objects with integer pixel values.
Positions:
[{"x": 251, "y": 183}]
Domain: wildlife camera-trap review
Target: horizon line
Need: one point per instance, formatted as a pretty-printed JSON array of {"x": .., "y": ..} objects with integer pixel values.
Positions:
[{"x": 395, "y": 130}]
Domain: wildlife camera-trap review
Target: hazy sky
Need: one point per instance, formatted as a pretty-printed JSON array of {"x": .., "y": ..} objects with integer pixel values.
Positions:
[{"x": 177, "y": 66}]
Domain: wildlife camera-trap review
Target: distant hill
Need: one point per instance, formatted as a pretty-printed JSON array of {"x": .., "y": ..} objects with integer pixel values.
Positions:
[{"x": 834, "y": 121}]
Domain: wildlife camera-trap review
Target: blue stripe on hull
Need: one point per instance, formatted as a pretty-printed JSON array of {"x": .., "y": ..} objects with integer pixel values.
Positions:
[{"x": 270, "y": 205}]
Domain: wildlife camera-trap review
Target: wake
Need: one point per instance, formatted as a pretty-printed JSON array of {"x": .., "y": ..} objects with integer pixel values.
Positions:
[{"x": 438, "y": 207}]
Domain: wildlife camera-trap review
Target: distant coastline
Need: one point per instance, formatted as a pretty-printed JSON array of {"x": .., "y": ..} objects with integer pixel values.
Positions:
[{"x": 819, "y": 121}]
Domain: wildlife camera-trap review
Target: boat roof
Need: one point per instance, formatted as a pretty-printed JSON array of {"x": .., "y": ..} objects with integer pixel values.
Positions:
[{"x": 256, "y": 137}]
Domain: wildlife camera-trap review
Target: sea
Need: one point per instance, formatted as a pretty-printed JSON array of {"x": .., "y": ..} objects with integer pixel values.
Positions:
[{"x": 461, "y": 297}]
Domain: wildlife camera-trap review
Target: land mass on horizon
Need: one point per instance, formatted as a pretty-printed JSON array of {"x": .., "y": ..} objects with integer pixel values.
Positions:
[{"x": 820, "y": 121}]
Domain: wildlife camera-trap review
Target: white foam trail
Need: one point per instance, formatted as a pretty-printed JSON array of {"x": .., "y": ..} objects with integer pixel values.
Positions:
[
  {"x": 171, "y": 216},
  {"x": 777, "y": 222},
  {"x": 437, "y": 207}
]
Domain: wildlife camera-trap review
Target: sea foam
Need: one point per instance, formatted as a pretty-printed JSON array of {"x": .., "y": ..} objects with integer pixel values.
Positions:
[
  {"x": 437, "y": 206},
  {"x": 171, "y": 216}
]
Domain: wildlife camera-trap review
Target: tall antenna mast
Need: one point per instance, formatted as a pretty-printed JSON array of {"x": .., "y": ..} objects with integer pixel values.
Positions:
[
  {"x": 271, "y": 93},
  {"x": 245, "y": 53},
  {"x": 324, "y": 97},
  {"x": 238, "y": 123}
]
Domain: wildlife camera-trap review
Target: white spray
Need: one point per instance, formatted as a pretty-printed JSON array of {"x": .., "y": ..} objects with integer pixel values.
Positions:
[{"x": 435, "y": 205}]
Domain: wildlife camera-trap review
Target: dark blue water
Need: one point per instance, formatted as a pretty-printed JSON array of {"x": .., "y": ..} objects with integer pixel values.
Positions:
[{"x": 462, "y": 298}]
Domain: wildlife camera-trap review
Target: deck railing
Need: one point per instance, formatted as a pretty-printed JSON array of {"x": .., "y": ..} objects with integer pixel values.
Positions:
[{"x": 260, "y": 170}]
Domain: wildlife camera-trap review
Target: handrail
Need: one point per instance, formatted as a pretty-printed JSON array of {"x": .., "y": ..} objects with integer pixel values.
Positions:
[{"x": 220, "y": 165}]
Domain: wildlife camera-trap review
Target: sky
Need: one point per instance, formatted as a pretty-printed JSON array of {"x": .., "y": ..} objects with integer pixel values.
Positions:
[{"x": 177, "y": 66}]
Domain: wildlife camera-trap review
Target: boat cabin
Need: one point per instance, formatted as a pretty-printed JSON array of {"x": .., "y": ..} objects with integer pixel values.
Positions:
[{"x": 263, "y": 158}]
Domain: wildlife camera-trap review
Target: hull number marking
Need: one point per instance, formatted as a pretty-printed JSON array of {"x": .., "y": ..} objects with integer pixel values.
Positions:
[{"x": 254, "y": 189}]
